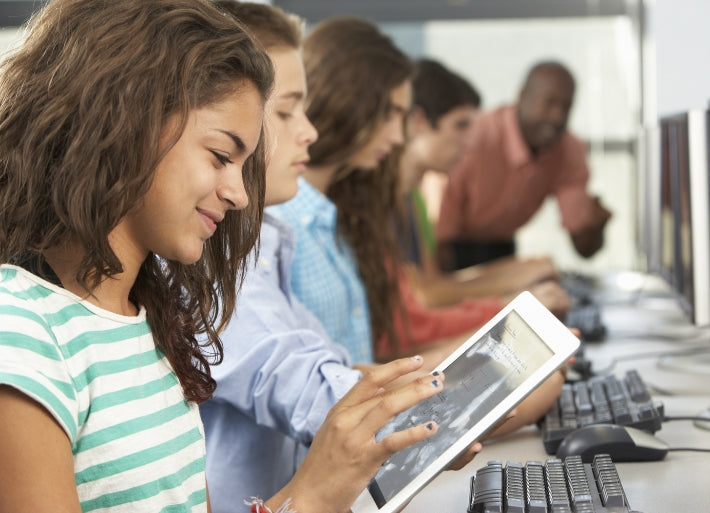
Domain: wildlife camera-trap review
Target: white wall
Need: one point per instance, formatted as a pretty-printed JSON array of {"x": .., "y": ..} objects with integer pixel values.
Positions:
[
  {"x": 495, "y": 55},
  {"x": 9, "y": 37},
  {"x": 680, "y": 32},
  {"x": 602, "y": 54}
]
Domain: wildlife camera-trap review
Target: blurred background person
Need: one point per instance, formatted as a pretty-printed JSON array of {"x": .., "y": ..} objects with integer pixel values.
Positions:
[
  {"x": 519, "y": 154},
  {"x": 443, "y": 109}
]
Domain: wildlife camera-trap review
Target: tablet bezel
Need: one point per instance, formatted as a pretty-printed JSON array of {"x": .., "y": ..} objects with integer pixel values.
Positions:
[{"x": 551, "y": 331}]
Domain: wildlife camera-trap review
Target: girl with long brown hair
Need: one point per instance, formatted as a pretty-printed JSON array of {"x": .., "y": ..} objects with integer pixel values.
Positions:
[
  {"x": 131, "y": 178},
  {"x": 359, "y": 94},
  {"x": 131, "y": 191}
]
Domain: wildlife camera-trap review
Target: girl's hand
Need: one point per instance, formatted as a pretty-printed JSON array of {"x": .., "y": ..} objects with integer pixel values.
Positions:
[{"x": 345, "y": 456}]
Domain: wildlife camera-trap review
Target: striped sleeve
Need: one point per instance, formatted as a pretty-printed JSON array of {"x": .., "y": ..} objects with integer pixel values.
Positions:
[
  {"x": 137, "y": 444},
  {"x": 32, "y": 363}
]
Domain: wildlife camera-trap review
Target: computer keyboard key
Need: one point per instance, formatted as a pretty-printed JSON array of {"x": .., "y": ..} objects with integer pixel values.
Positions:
[
  {"x": 622, "y": 415},
  {"x": 514, "y": 487},
  {"x": 613, "y": 389},
  {"x": 608, "y": 481},
  {"x": 535, "y": 487},
  {"x": 597, "y": 395},
  {"x": 586, "y": 317},
  {"x": 637, "y": 387},
  {"x": 488, "y": 489},
  {"x": 577, "y": 480},
  {"x": 558, "y": 486},
  {"x": 601, "y": 400},
  {"x": 646, "y": 411}
]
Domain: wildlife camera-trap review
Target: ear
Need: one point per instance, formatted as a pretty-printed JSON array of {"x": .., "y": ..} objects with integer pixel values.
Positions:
[{"x": 418, "y": 123}]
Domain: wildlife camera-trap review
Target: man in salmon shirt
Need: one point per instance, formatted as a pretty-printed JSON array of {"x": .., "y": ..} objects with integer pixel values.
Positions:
[{"x": 519, "y": 154}]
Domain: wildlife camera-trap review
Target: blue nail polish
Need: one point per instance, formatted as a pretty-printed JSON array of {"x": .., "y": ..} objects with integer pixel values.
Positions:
[
  {"x": 430, "y": 427},
  {"x": 435, "y": 383},
  {"x": 435, "y": 373}
]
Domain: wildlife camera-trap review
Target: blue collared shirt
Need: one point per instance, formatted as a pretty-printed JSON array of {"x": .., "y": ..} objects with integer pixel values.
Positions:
[
  {"x": 279, "y": 378},
  {"x": 324, "y": 272}
]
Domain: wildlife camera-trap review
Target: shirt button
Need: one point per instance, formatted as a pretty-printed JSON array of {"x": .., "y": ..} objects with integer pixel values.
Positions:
[{"x": 357, "y": 312}]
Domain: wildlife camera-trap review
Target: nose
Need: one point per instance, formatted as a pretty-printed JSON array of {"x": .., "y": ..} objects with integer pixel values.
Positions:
[
  {"x": 308, "y": 133},
  {"x": 231, "y": 190},
  {"x": 557, "y": 114},
  {"x": 396, "y": 131}
]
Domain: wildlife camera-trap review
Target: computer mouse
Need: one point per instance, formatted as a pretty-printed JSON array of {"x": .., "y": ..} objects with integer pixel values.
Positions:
[{"x": 622, "y": 443}]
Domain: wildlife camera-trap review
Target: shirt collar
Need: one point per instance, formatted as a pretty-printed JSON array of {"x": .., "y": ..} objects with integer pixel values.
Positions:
[
  {"x": 276, "y": 249},
  {"x": 314, "y": 206},
  {"x": 516, "y": 147},
  {"x": 275, "y": 232}
]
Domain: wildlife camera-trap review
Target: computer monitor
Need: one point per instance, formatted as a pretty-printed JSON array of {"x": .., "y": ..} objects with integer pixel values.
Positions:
[
  {"x": 684, "y": 213},
  {"x": 648, "y": 187},
  {"x": 665, "y": 261},
  {"x": 694, "y": 221},
  {"x": 685, "y": 227}
]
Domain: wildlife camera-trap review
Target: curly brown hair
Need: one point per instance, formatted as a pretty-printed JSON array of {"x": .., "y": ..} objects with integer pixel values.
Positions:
[
  {"x": 351, "y": 69},
  {"x": 83, "y": 104}
]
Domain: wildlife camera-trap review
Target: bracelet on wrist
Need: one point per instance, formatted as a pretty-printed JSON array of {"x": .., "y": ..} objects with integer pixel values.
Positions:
[{"x": 258, "y": 506}]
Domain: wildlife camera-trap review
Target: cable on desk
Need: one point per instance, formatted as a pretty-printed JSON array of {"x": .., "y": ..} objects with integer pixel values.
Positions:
[
  {"x": 691, "y": 449},
  {"x": 705, "y": 348},
  {"x": 691, "y": 418},
  {"x": 693, "y": 333}
]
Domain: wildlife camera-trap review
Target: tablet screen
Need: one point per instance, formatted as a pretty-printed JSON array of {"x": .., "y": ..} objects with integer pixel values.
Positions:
[{"x": 477, "y": 381}]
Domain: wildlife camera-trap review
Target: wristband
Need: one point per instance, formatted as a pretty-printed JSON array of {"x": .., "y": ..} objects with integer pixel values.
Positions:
[{"x": 258, "y": 506}]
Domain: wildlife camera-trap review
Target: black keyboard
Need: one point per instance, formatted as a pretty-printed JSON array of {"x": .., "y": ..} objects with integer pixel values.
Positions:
[
  {"x": 586, "y": 317},
  {"x": 601, "y": 400},
  {"x": 579, "y": 287},
  {"x": 555, "y": 486}
]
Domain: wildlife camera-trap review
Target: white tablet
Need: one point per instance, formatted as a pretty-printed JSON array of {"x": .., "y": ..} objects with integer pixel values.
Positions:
[{"x": 485, "y": 379}]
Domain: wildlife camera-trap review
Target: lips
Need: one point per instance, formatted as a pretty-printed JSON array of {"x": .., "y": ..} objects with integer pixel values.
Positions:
[
  {"x": 210, "y": 219},
  {"x": 382, "y": 155},
  {"x": 301, "y": 164}
]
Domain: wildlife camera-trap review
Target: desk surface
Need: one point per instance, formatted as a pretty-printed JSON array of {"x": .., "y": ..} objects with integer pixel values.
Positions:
[{"x": 639, "y": 331}]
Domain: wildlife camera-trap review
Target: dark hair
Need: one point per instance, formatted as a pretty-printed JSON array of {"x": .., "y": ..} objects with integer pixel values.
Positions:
[
  {"x": 269, "y": 25},
  {"x": 83, "y": 104},
  {"x": 541, "y": 68},
  {"x": 351, "y": 69},
  {"x": 438, "y": 90}
]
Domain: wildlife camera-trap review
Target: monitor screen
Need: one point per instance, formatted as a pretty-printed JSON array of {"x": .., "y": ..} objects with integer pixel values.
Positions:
[
  {"x": 648, "y": 197},
  {"x": 668, "y": 181},
  {"x": 684, "y": 263},
  {"x": 685, "y": 218}
]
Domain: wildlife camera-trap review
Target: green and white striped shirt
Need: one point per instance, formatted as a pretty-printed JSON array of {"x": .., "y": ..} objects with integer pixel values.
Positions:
[{"x": 138, "y": 445}]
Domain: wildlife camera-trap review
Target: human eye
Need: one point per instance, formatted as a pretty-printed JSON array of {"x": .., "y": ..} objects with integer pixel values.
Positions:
[
  {"x": 223, "y": 159},
  {"x": 395, "y": 113},
  {"x": 284, "y": 116}
]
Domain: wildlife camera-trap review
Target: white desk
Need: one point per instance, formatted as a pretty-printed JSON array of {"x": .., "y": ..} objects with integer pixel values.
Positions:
[{"x": 680, "y": 483}]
